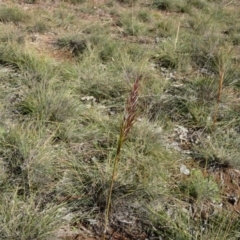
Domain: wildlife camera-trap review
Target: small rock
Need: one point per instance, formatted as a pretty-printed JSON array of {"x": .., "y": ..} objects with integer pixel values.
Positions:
[{"x": 184, "y": 170}]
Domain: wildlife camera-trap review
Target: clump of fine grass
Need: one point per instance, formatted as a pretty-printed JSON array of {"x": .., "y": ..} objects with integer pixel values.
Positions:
[
  {"x": 47, "y": 103},
  {"x": 200, "y": 188},
  {"x": 75, "y": 1},
  {"x": 39, "y": 26},
  {"x": 63, "y": 18},
  {"x": 190, "y": 104},
  {"x": 29, "y": 165},
  {"x": 26, "y": 61},
  {"x": 30, "y": 1},
  {"x": 130, "y": 2},
  {"x": 218, "y": 148},
  {"x": 219, "y": 226},
  {"x": 9, "y": 33},
  {"x": 168, "y": 5},
  {"x": 21, "y": 219},
  {"x": 132, "y": 25},
  {"x": 29, "y": 159},
  {"x": 12, "y": 14},
  {"x": 76, "y": 44},
  {"x": 40, "y": 96},
  {"x": 144, "y": 16},
  {"x": 106, "y": 48}
]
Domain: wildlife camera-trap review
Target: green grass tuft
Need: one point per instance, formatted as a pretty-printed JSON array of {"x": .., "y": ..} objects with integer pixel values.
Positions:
[{"x": 12, "y": 14}]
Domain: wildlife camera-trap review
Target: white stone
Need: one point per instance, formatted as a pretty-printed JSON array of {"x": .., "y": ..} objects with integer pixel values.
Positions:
[{"x": 184, "y": 170}]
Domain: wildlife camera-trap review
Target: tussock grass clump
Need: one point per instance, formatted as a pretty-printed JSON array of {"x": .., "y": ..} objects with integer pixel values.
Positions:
[
  {"x": 164, "y": 29},
  {"x": 218, "y": 149},
  {"x": 182, "y": 6},
  {"x": 76, "y": 44},
  {"x": 191, "y": 104},
  {"x": 9, "y": 33},
  {"x": 200, "y": 188},
  {"x": 21, "y": 219},
  {"x": 106, "y": 48},
  {"x": 26, "y": 60},
  {"x": 144, "y": 16},
  {"x": 39, "y": 26},
  {"x": 30, "y": 1},
  {"x": 130, "y": 2},
  {"x": 167, "y": 5},
  {"x": 75, "y": 1},
  {"x": 132, "y": 25},
  {"x": 220, "y": 226},
  {"x": 29, "y": 158},
  {"x": 109, "y": 49},
  {"x": 47, "y": 103},
  {"x": 12, "y": 14},
  {"x": 63, "y": 18},
  {"x": 199, "y": 4},
  {"x": 111, "y": 83}
]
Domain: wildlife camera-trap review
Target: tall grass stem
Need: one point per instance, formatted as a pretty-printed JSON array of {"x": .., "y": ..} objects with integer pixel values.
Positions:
[
  {"x": 127, "y": 123},
  {"x": 220, "y": 86}
]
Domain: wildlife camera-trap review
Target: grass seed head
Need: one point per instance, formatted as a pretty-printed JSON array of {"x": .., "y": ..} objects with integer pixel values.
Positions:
[{"x": 130, "y": 110}]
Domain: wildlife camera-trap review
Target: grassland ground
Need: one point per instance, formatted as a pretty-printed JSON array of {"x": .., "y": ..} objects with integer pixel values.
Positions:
[{"x": 66, "y": 69}]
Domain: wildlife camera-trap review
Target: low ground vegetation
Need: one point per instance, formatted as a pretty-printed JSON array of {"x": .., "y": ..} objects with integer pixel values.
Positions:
[{"x": 66, "y": 69}]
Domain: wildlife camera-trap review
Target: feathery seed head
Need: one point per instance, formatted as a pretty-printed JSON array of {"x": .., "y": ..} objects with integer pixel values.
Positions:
[{"x": 130, "y": 110}]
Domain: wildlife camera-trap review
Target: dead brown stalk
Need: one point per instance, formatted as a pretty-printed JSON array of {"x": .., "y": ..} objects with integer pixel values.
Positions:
[{"x": 220, "y": 86}]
